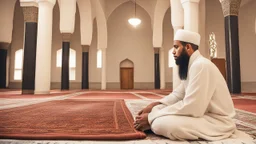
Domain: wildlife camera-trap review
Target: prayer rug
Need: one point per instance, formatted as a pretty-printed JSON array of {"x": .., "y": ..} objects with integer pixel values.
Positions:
[
  {"x": 245, "y": 104},
  {"x": 70, "y": 120},
  {"x": 106, "y": 95},
  {"x": 245, "y": 121}
]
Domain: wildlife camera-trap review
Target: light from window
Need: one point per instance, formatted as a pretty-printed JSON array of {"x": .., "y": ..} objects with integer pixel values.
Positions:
[
  {"x": 72, "y": 73},
  {"x": 59, "y": 58},
  {"x": 17, "y": 74},
  {"x": 72, "y": 58},
  {"x": 18, "y": 64},
  {"x": 171, "y": 60},
  {"x": 72, "y": 62},
  {"x": 99, "y": 58}
]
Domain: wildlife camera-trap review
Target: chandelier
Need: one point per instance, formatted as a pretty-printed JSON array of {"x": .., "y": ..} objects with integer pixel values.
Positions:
[{"x": 134, "y": 21}]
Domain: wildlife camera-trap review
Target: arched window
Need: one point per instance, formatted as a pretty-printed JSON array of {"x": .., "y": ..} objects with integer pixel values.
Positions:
[
  {"x": 171, "y": 60},
  {"x": 99, "y": 58},
  {"x": 72, "y": 62},
  {"x": 18, "y": 64}
]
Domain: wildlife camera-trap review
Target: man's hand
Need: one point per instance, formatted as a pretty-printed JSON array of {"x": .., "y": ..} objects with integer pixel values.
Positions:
[
  {"x": 141, "y": 122},
  {"x": 149, "y": 108}
]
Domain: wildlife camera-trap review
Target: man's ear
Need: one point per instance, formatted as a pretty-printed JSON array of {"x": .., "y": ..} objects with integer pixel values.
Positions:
[{"x": 188, "y": 46}]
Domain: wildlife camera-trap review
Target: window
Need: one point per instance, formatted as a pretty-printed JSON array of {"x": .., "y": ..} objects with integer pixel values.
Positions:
[
  {"x": 171, "y": 60},
  {"x": 18, "y": 64},
  {"x": 99, "y": 58},
  {"x": 72, "y": 62}
]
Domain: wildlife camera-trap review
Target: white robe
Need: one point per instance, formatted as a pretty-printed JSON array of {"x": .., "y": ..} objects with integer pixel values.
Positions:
[{"x": 201, "y": 107}]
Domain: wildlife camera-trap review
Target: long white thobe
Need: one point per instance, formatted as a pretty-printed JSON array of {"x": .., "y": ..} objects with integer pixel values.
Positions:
[{"x": 201, "y": 107}]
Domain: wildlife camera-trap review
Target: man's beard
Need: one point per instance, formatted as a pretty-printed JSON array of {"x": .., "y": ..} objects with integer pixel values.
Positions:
[{"x": 182, "y": 61}]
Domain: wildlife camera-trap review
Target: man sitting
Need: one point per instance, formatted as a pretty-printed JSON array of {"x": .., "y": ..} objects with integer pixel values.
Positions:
[{"x": 200, "y": 107}]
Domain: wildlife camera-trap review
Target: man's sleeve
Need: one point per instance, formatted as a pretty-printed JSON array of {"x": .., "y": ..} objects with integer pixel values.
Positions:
[
  {"x": 198, "y": 95},
  {"x": 177, "y": 95}
]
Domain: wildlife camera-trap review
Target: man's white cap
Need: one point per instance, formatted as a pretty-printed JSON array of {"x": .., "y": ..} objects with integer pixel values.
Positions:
[{"x": 187, "y": 36}]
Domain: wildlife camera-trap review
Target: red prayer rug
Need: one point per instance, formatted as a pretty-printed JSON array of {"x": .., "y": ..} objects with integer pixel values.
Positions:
[{"x": 70, "y": 120}]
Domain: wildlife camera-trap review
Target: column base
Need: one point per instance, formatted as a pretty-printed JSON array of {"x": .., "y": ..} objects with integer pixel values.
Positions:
[
  {"x": 42, "y": 92},
  {"x": 27, "y": 92}
]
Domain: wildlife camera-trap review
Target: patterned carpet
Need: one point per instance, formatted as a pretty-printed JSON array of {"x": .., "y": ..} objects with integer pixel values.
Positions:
[
  {"x": 70, "y": 120},
  {"x": 135, "y": 100},
  {"x": 245, "y": 121}
]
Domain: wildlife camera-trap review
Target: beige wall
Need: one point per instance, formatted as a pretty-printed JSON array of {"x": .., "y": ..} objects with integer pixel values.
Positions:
[
  {"x": 167, "y": 43},
  {"x": 215, "y": 23},
  {"x": 247, "y": 41},
  {"x": 247, "y": 37},
  {"x": 17, "y": 37},
  {"x": 6, "y": 11},
  {"x": 125, "y": 41}
]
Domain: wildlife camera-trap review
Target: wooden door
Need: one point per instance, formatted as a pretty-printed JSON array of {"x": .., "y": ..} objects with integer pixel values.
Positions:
[{"x": 126, "y": 78}]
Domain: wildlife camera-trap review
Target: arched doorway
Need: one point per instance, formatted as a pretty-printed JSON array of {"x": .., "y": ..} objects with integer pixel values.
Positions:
[{"x": 126, "y": 74}]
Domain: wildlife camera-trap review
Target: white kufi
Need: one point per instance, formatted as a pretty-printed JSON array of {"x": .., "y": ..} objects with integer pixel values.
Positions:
[{"x": 187, "y": 36}]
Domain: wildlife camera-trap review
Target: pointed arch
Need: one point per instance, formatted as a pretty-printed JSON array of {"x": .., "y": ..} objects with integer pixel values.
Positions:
[
  {"x": 160, "y": 11},
  {"x": 117, "y": 4},
  {"x": 126, "y": 63},
  {"x": 101, "y": 25}
]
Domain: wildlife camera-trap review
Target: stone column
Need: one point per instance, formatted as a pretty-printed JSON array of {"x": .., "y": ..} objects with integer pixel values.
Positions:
[
  {"x": 175, "y": 76},
  {"x": 4, "y": 46},
  {"x": 65, "y": 61},
  {"x": 103, "y": 69},
  {"x": 230, "y": 10},
  {"x": 191, "y": 14},
  {"x": 85, "y": 67},
  {"x": 162, "y": 69},
  {"x": 44, "y": 47},
  {"x": 29, "y": 60},
  {"x": 157, "y": 68}
]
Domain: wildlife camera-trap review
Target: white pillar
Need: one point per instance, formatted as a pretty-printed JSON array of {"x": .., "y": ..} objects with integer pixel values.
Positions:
[
  {"x": 162, "y": 69},
  {"x": 44, "y": 47},
  {"x": 67, "y": 15},
  {"x": 191, "y": 14},
  {"x": 103, "y": 69},
  {"x": 175, "y": 75},
  {"x": 177, "y": 13}
]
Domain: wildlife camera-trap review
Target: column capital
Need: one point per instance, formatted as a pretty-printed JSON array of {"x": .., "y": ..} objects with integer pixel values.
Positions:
[
  {"x": 85, "y": 48},
  {"x": 175, "y": 28},
  {"x": 48, "y": 1},
  {"x": 230, "y": 7},
  {"x": 156, "y": 50},
  {"x": 28, "y": 3},
  {"x": 193, "y": 1},
  {"x": 66, "y": 37},
  {"x": 4, "y": 45},
  {"x": 30, "y": 13}
]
